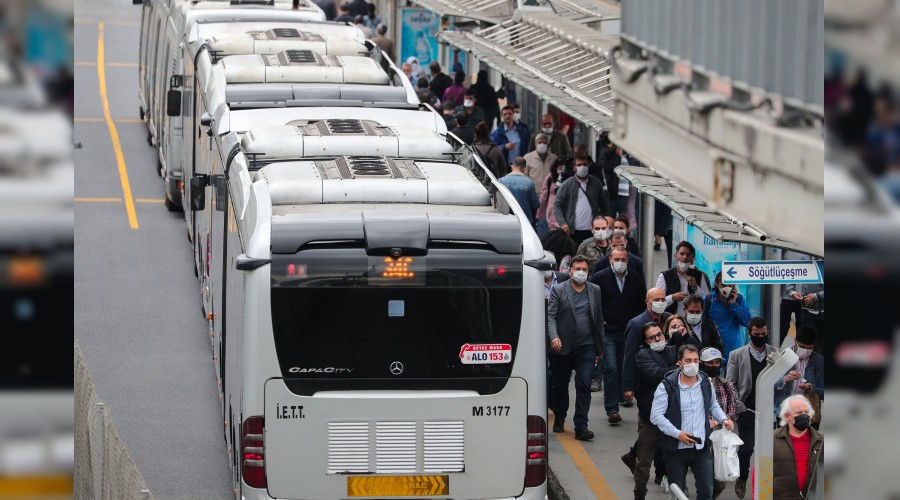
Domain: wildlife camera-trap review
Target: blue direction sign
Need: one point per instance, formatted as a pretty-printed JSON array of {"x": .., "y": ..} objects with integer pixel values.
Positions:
[{"x": 765, "y": 272}]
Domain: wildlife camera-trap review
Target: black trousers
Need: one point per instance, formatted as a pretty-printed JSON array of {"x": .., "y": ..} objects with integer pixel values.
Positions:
[{"x": 747, "y": 433}]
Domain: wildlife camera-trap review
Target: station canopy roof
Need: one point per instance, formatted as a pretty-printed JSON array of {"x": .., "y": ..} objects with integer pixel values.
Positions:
[
  {"x": 498, "y": 11},
  {"x": 560, "y": 60},
  {"x": 714, "y": 223}
]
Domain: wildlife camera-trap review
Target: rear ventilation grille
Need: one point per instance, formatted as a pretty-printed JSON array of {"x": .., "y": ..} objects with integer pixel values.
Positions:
[
  {"x": 345, "y": 126},
  {"x": 348, "y": 447},
  {"x": 300, "y": 56},
  {"x": 444, "y": 447},
  {"x": 395, "y": 445},
  {"x": 431, "y": 447}
]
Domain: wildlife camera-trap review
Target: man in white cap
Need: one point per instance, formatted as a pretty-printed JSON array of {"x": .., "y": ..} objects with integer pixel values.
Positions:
[{"x": 726, "y": 395}]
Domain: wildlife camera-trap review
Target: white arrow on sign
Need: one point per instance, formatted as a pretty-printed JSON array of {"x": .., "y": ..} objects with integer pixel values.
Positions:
[{"x": 765, "y": 272}]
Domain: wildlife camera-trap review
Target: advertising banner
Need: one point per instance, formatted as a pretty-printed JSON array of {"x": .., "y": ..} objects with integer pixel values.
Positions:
[{"x": 417, "y": 31}]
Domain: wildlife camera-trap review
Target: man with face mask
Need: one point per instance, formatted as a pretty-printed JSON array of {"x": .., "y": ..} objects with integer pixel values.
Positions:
[
  {"x": 596, "y": 247},
  {"x": 655, "y": 310},
  {"x": 578, "y": 200},
  {"x": 681, "y": 404},
  {"x": 683, "y": 279},
  {"x": 701, "y": 331},
  {"x": 654, "y": 360},
  {"x": 808, "y": 375},
  {"x": 744, "y": 367},
  {"x": 796, "y": 450},
  {"x": 471, "y": 109},
  {"x": 539, "y": 162},
  {"x": 575, "y": 328},
  {"x": 711, "y": 364},
  {"x": 558, "y": 142},
  {"x": 511, "y": 136},
  {"x": 726, "y": 307},
  {"x": 623, "y": 298}
]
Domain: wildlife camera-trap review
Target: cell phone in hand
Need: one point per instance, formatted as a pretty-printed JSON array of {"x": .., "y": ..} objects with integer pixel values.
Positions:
[{"x": 695, "y": 439}]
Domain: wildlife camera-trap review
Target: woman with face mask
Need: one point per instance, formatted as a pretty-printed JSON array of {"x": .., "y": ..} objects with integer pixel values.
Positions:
[
  {"x": 726, "y": 307},
  {"x": 554, "y": 178},
  {"x": 726, "y": 396}
]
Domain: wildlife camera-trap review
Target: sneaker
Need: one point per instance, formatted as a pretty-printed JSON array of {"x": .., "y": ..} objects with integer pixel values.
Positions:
[
  {"x": 559, "y": 424},
  {"x": 656, "y": 247},
  {"x": 630, "y": 461},
  {"x": 740, "y": 488},
  {"x": 665, "y": 484},
  {"x": 583, "y": 434},
  {"x": 628, "y": 403},
  {"x": 596, "y": 385},
  {"x": 614, "y": 418}
]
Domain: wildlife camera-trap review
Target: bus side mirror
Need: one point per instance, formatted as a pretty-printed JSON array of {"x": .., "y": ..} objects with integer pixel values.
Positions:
[
  {"x": 173, "y": 103},
  {"x": 198, "y": 192}
]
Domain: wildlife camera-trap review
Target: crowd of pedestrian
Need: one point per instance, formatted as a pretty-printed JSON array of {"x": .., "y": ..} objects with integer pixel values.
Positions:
[{"x": 677, "y": 351}]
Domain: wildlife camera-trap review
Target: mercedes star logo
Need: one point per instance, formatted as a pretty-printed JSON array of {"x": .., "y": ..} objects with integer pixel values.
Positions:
[{"x": 396, "y": 368}]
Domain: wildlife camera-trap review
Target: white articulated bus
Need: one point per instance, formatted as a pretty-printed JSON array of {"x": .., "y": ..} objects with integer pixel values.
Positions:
[
  {"x": 381, "y": 326},
  {"x": 164, "y": 24}
]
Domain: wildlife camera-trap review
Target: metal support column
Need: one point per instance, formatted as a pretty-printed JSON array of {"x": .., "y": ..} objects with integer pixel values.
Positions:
[
  {"x": 646, "y": 225},
  {"x": 774, "y": 299},
  {"x": 779, "y": 362}
]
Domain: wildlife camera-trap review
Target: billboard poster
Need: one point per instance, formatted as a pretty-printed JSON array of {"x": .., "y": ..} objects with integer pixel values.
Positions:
[
  {"x": 710, "y": 255},
  {"x": 417, "y": 36}
]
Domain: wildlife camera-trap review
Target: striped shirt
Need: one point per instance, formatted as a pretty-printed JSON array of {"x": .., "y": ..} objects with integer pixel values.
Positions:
[{"x": 693, "y": 413}]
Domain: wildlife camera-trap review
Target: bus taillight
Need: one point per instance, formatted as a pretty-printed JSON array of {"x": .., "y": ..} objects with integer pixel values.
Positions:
[
  {"x": 536, "y": 452},
  {"x": 253, "y": 461}
]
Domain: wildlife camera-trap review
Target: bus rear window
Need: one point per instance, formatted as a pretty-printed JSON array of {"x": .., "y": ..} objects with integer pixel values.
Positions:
[{"x": 341, "y": 313}]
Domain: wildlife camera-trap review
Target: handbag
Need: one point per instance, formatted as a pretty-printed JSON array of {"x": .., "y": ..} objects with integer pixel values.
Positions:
[{"x": 726, "y": 464}]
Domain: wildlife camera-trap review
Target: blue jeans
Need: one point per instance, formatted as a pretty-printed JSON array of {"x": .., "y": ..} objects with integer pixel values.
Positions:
[
  {"x": 699, "y": 461},
  {"x": 580, "y": 359},
  {"x": 611, "y": 368}
]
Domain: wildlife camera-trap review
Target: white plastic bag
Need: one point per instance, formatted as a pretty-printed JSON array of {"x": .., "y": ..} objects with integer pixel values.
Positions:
[{"x": 726, "y": 464}]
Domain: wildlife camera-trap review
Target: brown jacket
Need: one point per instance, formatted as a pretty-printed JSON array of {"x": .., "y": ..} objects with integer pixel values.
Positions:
[{"x": 784, "y": 464}]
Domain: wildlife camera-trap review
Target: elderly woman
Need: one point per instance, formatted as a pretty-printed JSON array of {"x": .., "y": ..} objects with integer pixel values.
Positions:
[{"x": 797, "y": 449}]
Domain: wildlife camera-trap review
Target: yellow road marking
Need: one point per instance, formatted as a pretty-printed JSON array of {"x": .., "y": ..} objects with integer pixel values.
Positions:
[
  {"x": 117, "y": 120},
  {"x": 108, "y": 65},
  {"x": 111, "y": 23},
  {"x": 113, "y": 133},
  {"x": 98, "y": 200},
  {"x": 150, "y": 200},
  {"x": 585, "y": 465}
]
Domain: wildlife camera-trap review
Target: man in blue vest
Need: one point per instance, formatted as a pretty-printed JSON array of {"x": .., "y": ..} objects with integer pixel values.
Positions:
[{"x": 681, "y": 404}]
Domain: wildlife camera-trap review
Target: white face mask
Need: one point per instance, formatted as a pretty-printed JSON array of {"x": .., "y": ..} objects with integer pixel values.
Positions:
[
  {"x": 581, "y": 171},
  {"x": 619, "y": 267},
  {"x": 803, "y": 352},
  {"x": 542, "y": 149},
  {"x": 690, "y": 370},
  {"x": 517, "y": 116},
  {"x": 726, "y": 291},
  {"x": 658, "y": 307},
  {"x": 694, "y": 319},
  {"x": 682, "y": 266},
  {"x": 468, "y": 103},
  {"x": 548, "y": 274},
  {"x": 601, "y": 234},
  {"x": 547, "y": 130},
  {"x": 579, "y": 276},
  {"x": 658, "y": 346}
]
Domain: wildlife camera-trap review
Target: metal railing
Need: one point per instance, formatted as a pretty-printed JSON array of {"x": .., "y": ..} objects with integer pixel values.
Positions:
[
  {"x": 103, "y": 468},
  {"x": 772, "y": 45}
]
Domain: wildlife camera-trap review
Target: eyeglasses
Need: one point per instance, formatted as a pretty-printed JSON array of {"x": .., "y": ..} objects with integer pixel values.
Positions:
[
  {"x": 547, "y": 124},
  {"x": 658, "y": 336}
]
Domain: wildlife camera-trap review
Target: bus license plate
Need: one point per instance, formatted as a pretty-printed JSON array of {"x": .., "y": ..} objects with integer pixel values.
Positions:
[{"x": 397, "y": 486}]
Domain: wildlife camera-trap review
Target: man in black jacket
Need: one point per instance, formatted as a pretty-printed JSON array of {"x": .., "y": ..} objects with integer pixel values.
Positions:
[
  {"x": 578, "y": 200},
  {"x": 682, "y": 279},
  {"x": 575, "y": 329},
  {"x": 654, "y": 360},
  {"x": 702, "y": 332},
  {"x": 623, "y": 295},
  {"x": 439, "y": 81}
]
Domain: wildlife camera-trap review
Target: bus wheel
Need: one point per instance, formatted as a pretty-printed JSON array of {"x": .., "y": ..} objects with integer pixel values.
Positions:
[
  {"x": 141, "y": 111},
  {"x": 149, "y": 138},
  {"x": 171, "y": 207}
]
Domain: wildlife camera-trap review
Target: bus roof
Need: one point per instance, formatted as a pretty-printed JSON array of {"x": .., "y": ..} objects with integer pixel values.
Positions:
[
  {"x": 242, "y": 120},
  {"x": 372, "y": 179},
  {"x": 204, "y": 30},
  {"x": 303, "y": 66},
  {"x": 304, "y": 138}
]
